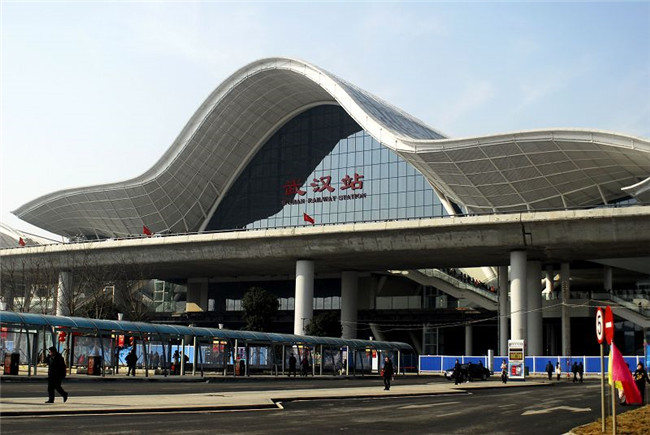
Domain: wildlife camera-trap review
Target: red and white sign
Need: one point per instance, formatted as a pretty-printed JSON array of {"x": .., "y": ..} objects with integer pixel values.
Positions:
[
  {"x": 609, "y": 325},
  {"x": 600, "y": 328}
]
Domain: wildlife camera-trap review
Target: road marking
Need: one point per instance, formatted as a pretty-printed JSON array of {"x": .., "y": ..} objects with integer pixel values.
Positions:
[
  {"x": 557, "y": 408},
  {"x": 448, "y": 414},
  {"x": 428, "y": 405}
]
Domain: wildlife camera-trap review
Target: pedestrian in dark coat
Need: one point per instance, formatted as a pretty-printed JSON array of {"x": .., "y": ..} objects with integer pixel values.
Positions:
[
  {"x": 55, "y": 373},
  {"x": 116, "y": 359},
  {"x": 292, "y": 365},
  {"x": 457, "y": 373},
  {"x": 304, "y": 367},
  {"x": 177, "y": 363},
  {"x": 640, "y": 378},
  {"x": 388, "y": 373},
  {"x": 574, "y": 370},
  {"x": 549, "y": 370},
  {"x": 581, "y": 370},
  {"x": 131, "y": 361}
]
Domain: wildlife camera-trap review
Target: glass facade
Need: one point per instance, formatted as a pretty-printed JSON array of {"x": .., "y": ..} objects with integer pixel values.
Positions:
[
  {"x": 322, "y": 166},
  {"x": 164, "y": 300}
]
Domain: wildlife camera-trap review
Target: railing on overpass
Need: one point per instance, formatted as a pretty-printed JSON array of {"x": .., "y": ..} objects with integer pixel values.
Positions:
[
  {"x": 437, "y": 273},
  {"x": 630, "y": 305},
  {"x": 168, "y": 233}
]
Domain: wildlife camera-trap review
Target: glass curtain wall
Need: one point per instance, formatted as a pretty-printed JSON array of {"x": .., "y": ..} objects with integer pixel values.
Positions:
[{"x": 322, "y": 168}]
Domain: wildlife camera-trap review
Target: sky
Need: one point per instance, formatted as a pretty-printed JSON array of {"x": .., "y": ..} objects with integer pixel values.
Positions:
[{"x": 93, "y": 92}]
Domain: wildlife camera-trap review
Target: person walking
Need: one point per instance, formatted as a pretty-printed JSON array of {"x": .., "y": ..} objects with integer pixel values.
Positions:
[
  {"x": 457, "y": 373},
  {"x": 549, "y": 370},
  {"x": 304, "y": 366},
  {"x": 581, "y": 370},
  {"x": 574, "y": 370},
  {"x": 388, "y": 373},
  {"x": 640, "y": 378},
  {"x": 131, "y": 361},
  {"x": 292, "y": 365},
  {"x": 55, "y": 374},
  {"x": 116, "y": 359},
  {"x": 177, "y": 363},
  {"x": 558, "y": 370},
  {"x": 504, "y": 372}
]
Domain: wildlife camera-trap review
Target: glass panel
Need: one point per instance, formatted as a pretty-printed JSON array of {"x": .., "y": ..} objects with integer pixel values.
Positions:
[{"x": 323, "y": 164}]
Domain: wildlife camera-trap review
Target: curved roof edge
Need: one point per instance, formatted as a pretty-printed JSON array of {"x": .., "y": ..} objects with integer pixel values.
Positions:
[
  {"x": 570, "y": 134},
  {"x": 335, "y": 86},
  {"x": 32, "y": 320},
  {"x": 237, "y": 118}
]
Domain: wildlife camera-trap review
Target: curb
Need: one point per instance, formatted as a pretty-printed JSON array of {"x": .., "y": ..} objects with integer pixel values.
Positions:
[{"x": 261, "y": 406}]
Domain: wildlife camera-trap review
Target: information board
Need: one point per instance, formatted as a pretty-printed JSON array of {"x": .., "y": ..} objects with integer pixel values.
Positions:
[{"x": 516, "y": 359}]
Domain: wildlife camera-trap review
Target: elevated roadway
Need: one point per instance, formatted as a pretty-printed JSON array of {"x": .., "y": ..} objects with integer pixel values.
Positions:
[{"x": 469, "y": 241}]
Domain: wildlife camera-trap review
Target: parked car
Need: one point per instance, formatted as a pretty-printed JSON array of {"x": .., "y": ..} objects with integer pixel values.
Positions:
[{"x": 469, "y": 372}]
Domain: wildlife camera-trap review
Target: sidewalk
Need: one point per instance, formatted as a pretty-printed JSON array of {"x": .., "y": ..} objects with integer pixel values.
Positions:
[{"x": 227, "y": 401}]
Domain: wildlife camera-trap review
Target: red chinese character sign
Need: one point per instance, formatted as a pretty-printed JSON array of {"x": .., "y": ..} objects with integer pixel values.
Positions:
[
  {"x": 352, "y": 183},
  {"x": 293, "y": 189},
  {"x": 323, "y": 183}
]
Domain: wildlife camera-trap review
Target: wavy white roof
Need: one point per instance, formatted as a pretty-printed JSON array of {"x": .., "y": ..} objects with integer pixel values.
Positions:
[{"x": 517, "y": 171}]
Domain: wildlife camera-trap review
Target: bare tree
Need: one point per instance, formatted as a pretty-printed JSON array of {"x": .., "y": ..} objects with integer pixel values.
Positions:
[{"x": 130, "y": 281}]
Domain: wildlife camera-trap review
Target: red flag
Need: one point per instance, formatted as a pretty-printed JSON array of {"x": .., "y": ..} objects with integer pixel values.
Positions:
[
  {"x": 308, "y": 218},
  {"x": 21, "y": 242},
  {"x": 146, "y": 230},
  {"x": 619, "y": 375}
]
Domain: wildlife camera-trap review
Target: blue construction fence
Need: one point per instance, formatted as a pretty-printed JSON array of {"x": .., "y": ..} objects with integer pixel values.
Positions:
[{"x": 436, "y": 364}]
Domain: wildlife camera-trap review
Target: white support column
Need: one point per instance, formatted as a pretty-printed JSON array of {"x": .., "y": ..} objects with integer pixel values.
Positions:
[
  {"x": 504, "y": 333},
  {"x": 565, "y": 276},
  {"x": 349, "y": 297},
  {"x": 468, "y": 340},
  {"x": 304, "y": 303},
  {"x": 534, "y": 303},
  {"x": 518, "y": 295},
  {"x": 64, "y": 294}
]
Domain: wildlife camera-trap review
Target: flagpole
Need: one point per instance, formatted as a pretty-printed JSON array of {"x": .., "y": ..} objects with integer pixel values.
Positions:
[
  {"x": 614, "y": 396},
  {"x": 602, "y": 385}
]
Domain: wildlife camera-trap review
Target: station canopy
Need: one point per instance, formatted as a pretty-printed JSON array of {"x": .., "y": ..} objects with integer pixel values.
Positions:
[{"x": 31, "y": 321}]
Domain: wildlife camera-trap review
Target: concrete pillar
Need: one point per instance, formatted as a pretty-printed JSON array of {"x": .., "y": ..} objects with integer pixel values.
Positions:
[
  {"x": 64, "y": 294},
  {"x": 349, "y": 297},
  {"x": 518, "y": 295},
  {"x": 607, "y": 279},
  {"x": 304, "y": 304},
  {"x": 534, "y": 303},
  {"x": 504, "y": 333},
  {"x": 468, "y": 340},
  {"x": 197, "y": 295},
  {"x": 548, "y": 282},
  {"x": 565, "y": 276}
]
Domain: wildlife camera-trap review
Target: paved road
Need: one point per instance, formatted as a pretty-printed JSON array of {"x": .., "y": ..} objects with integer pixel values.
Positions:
[
  {"x": 89, "y": 386},
  {"x": 531, "y": 410}
]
